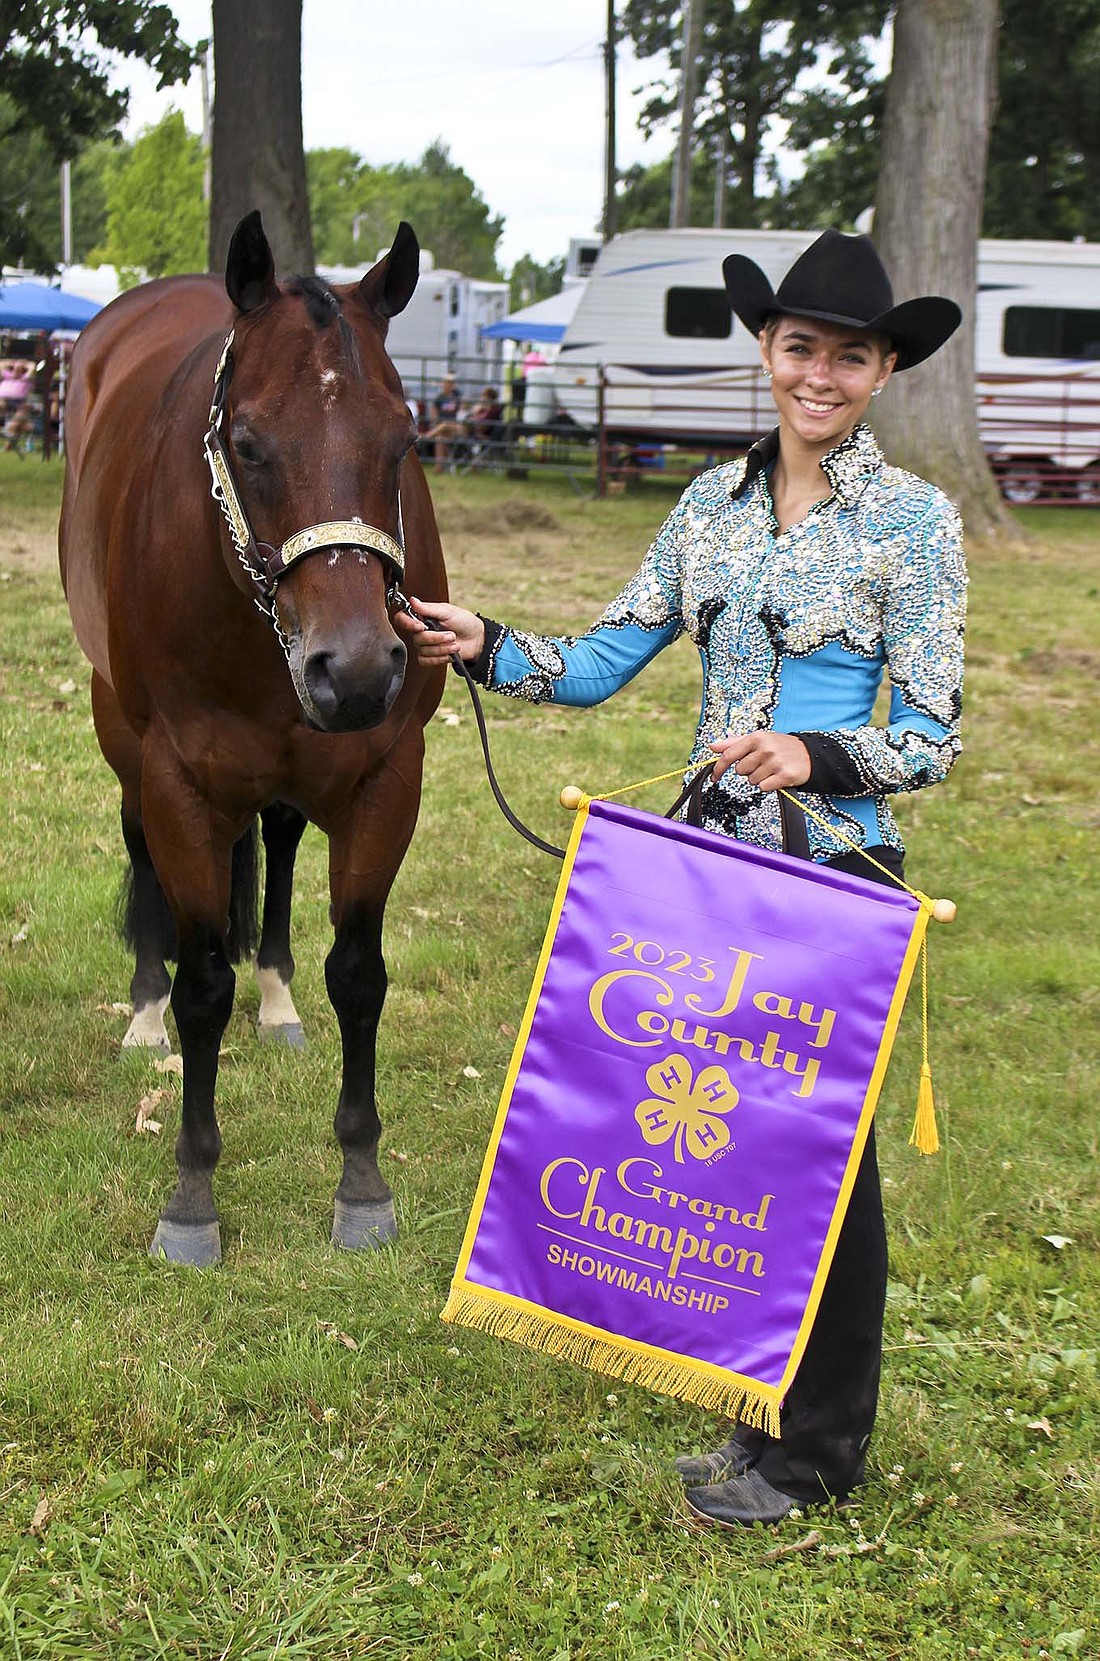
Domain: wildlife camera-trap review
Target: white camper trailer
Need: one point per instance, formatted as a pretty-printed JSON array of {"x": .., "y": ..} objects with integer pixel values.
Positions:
[
  {"x": 440, "y": 330},
  {"x": 678, "y": 367}
]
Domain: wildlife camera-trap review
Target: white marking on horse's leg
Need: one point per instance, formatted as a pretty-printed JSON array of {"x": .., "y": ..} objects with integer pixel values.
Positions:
[
  {"x": 147, "y": 1030},
  {"x": 278, "y": 1016}
]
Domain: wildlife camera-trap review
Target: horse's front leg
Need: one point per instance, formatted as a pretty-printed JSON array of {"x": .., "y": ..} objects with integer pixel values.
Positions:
[
  {"x": 278, "y": 1019},
  {"x": 192, "y": 849},
  {"x": 365, "y": 855}
]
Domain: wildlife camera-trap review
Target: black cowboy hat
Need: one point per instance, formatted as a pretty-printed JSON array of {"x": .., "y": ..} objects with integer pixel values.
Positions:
[{"x": 840, "y": 279}]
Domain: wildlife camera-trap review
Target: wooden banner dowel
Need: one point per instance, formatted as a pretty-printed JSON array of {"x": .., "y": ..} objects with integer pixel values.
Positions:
[
  {"x": 571, "y": 797},
  {"x": 944, "y": 911}
]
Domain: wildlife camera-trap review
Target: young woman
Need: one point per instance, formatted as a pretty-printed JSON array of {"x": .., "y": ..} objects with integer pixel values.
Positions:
[{"x": 804, "y": 573}]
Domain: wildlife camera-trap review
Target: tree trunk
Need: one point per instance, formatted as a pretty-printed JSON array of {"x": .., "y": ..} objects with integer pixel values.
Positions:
[
  {"x": 680, "y": 207},
  {"x": 928, "y": 209},
  {"x": 258, "y": 160}
]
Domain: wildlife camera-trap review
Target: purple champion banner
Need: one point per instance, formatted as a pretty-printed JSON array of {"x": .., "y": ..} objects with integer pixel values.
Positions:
[{"x": 686, "y": 1108}]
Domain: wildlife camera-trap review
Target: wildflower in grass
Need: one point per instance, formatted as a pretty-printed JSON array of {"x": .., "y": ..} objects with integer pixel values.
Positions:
[
  {"x": 415, "y": 1579},
  {"x": 610, "y": 1608}
]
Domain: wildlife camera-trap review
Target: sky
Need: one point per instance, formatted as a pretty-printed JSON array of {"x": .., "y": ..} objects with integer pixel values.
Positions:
[{"x": 514, "y": 88}]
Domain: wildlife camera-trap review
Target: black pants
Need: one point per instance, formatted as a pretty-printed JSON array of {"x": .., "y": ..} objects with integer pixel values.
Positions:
[{"x": 827, "y": 1418}]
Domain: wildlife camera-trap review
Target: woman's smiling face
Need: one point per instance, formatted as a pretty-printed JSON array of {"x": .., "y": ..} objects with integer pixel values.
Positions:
[{"x": 823, "y": 376}]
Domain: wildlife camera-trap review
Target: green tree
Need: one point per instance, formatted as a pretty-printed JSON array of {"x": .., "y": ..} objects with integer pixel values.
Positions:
[
  {"x": 156, "y": 216},
  {"x": 644, "y": 193},
  {"x": 757, "y": 65},
  {"x": 56, "y": 96},
  {"x": 529, "y": 281},
  {"x": 1043, "y": 177},
  {"x": 30, "y": 188},
  {"x": 54, "y": 76},
  {"x": 449, "y": 213},
  {"x": 355, "y": 209}
]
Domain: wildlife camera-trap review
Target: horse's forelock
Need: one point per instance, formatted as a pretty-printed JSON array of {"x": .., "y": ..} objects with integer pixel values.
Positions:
[
  {"x": 323, "y": 308},
  {"x": 323, "y": 305}
]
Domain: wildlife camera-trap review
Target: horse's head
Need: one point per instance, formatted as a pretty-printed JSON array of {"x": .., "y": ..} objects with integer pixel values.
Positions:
[{"x": 311, "y": 430}]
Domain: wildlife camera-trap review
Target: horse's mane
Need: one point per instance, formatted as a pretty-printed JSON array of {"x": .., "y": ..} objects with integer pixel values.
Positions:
[{"x": 323, "y": 308}]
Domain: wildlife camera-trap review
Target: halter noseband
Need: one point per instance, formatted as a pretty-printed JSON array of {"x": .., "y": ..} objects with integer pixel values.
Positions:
[{"x": 265, "y": 564}]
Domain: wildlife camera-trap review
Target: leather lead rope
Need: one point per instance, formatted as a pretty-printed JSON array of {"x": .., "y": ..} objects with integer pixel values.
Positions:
[
  {"x": 536, "y": 841},
  {"x": 792, "y": 820}
]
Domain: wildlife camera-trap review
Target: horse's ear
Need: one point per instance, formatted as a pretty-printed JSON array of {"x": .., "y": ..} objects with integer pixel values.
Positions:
[
  {"x": 388, "y": 286},
  {"x": 250, "y": 265}
]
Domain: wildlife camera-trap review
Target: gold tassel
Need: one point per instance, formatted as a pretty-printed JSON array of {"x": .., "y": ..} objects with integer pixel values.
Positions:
[{"x": 925, "y": 1137}]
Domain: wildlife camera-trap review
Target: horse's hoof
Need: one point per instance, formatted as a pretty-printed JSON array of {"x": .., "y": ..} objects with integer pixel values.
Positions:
[
  {"x": 197, "y": 1245},
  {"x": 147, "y": 1030},
  {"x": 358, "y": 1227},
  {"x": 159, "y": 1046},
  {"x": 288, "y": 1032}
]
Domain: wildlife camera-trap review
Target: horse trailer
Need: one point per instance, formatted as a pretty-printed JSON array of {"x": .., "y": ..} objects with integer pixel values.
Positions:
[
  {"x": 654, "y": 353},
  {"x": 440, "y": 332}
]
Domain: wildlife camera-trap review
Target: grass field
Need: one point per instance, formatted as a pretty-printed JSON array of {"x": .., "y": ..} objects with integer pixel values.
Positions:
[{"x": 290, "y": 1456}]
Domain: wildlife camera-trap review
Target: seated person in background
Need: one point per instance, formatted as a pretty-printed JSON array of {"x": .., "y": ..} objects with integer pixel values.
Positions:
[
  {"x": 446, "y": 425},
  {"x": 16, "y": 389},
  {"x": 485, "y": 419}
]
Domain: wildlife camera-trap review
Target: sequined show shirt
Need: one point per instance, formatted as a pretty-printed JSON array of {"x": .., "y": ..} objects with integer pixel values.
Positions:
[{"x": 795, "y": 630}]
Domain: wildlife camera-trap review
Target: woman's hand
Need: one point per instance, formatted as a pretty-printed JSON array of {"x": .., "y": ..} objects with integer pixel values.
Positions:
[
  {"x": 459, "y": 631},
  {"x": 769, "y": 760}
]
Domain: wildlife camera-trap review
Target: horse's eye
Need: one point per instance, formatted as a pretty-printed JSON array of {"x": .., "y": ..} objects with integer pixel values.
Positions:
[{"x": 247, "y": 450}]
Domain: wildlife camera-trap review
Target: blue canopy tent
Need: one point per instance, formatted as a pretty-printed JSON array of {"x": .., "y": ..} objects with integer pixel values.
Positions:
[
  {"x": 33, "y": 306},
  {"x": 543, "y": 324}
]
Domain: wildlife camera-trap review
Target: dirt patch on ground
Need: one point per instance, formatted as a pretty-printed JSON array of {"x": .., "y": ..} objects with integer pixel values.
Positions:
[
  {"x": 1056, "y": 663},
  {"x": 512, "y": 515},
  {"x": 23, "y": 549},
  {"x": 34, "y": 548}
]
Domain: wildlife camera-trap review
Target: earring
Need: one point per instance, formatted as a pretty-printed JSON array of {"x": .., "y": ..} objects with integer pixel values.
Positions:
[
  {"x": 876, "y": 392},
  {"x": 767, "y": 374}
]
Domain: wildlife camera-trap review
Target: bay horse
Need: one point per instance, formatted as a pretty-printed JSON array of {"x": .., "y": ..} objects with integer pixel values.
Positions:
[{"x": 236, "y": 608}]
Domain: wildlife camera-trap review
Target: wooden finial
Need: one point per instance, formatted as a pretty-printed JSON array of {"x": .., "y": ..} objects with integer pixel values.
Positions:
[
  {"x": 944, "y": 911},
  {"x": 571, "y": 797}
]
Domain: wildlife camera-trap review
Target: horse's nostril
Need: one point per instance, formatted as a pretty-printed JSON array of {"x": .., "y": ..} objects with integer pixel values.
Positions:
[{"x": 317, "y": 675}]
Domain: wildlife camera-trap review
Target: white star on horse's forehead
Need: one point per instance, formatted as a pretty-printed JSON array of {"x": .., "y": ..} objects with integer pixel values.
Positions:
[{"x": 331, "y": 382}]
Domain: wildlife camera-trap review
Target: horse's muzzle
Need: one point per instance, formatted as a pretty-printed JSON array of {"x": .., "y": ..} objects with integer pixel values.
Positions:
[{"x": 340, "y": 693}]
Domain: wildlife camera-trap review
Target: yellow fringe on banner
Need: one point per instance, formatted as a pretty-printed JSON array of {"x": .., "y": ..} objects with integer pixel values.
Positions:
[{"x": 669, "y": 1375}]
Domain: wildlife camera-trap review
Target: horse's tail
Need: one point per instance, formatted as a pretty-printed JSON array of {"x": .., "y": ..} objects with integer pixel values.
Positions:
[
  {"x": 244, "y": 896},
  {"x": 157, "y": 927},
  {"x": 145, "y": 918}
]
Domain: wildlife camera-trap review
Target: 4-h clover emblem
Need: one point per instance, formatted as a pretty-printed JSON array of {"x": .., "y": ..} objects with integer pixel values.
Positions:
[{"x": 687, "y": 1110}]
